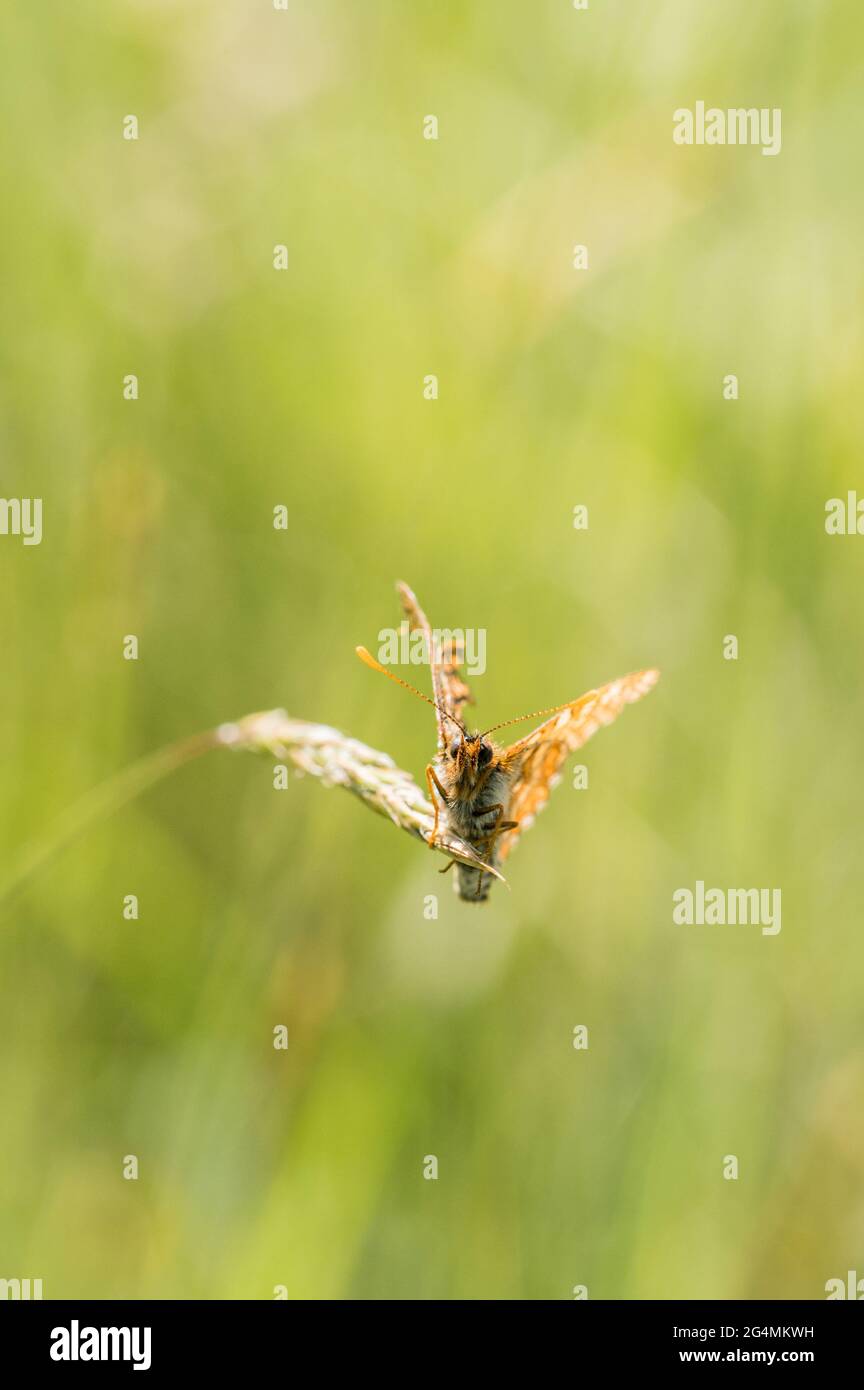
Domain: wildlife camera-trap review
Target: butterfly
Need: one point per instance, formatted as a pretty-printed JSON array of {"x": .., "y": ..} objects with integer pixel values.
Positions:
[{"x": 481, "y": 792}]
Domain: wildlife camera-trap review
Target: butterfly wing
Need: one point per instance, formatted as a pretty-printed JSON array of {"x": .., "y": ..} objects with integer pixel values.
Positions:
[
  {"x": 535, "y": 762},
  {"x": 449, "y": 690}
]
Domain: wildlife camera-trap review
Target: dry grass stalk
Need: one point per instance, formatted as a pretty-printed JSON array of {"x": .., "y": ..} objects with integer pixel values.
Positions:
[
  {"x": 318, "y": 751},
  {"x": 313, "y": 749}
]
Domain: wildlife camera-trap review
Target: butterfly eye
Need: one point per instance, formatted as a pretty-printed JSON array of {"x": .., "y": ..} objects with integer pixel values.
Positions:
[
  {"x": 485, "y": 755},
  {"x": 454, "y": 748}
]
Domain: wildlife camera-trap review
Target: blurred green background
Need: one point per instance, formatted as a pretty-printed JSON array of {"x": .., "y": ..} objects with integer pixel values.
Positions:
[{"x": 411, "y": 1037}]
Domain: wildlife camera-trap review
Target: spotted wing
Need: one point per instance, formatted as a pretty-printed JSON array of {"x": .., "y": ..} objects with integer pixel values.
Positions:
[
  {"x": 535, "y": 762},
  {"x": 449, "y": 690}
]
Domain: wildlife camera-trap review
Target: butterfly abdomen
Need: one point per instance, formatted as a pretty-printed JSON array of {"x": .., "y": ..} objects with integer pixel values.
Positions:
[
  {"x": 472, "y": 885},
  {"x": 475, "y": 819}
]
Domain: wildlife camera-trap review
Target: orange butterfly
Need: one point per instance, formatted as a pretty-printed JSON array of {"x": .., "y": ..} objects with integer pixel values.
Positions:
[{"x": 486, "y": 794}]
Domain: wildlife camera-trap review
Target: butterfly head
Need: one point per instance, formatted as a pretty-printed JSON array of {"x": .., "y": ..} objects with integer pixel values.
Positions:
[{"x": 469, "y": 756}]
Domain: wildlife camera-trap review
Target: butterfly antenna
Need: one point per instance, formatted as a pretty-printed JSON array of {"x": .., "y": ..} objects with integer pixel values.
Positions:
[
  {"x": 518, "y": 720},
  {"x": 369, "y": 659}
]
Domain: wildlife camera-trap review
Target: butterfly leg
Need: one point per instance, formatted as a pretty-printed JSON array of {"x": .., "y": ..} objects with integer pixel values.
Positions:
[
  {"x": 432, "y": 782},
  {"x": 489, "y": 841},
  {"x": 498, "y": 828}
]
